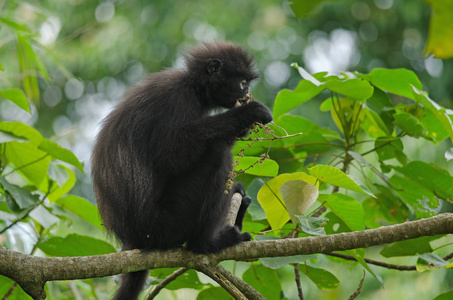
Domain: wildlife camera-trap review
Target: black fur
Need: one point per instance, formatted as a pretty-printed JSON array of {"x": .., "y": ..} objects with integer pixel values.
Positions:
[{"x": 161, "y": 160}]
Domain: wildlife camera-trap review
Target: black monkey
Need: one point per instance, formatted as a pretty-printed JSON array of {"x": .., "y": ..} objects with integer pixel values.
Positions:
[{"x": 162, "y": 159}]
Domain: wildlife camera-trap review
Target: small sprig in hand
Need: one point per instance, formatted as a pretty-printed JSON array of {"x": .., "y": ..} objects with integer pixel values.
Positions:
[{"x": 246, "y": 99}]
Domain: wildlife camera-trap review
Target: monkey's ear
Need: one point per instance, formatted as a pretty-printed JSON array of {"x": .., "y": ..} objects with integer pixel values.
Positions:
[{"x": 214, "y": 66}]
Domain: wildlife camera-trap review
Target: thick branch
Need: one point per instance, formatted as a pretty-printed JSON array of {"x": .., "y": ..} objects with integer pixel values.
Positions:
[{"x": 32, "y": 272}]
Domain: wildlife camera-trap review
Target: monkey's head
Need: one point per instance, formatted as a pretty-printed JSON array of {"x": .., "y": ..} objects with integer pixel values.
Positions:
[{"x": 223, "y": 72}]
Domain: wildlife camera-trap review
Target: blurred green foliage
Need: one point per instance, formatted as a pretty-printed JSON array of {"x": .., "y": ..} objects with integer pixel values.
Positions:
[{"x": 73, "y": 60}]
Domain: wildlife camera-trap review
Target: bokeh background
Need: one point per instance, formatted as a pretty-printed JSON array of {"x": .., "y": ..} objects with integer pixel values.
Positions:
[{"x": 95, "y": 50}]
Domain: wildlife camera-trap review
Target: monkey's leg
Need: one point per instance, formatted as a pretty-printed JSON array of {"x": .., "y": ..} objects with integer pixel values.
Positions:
[
  {"x": 225, "y": 237},
  {"x": 246, "y": 200}
]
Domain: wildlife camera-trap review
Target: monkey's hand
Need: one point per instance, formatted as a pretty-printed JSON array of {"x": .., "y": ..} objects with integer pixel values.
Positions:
[{"x": 257, "y": 112}]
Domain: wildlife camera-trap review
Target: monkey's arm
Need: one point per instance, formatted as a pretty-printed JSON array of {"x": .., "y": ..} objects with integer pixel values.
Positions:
[
  {"x": 231, "y": 124},
  {"x": 209, "y": 137}
]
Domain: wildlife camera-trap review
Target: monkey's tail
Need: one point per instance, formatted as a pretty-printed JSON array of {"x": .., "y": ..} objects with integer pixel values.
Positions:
[{"x": 131, "y": 285}]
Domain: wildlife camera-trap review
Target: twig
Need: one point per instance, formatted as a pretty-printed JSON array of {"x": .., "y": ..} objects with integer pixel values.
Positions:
[
  {"x": 244, "y": 287},
  {"x": 299, "y": 286},
  {"x": 359, "y": 288},
  {"x": 286, "y": 132},
  {"x": 165, "y": 282},
  {"x": 319, "y": 212},
  {"x": 448, "y": 256},
  {"x": 215, "y": 275},
  {"x": 375, "y": 262},
  {"x": 10, "y": 291},
  {"x": 27, "y": 213},
  {"x": 274, "y": 137},
  {"x": 383, "y": 145},
  {"x": 26, "y": 165}
]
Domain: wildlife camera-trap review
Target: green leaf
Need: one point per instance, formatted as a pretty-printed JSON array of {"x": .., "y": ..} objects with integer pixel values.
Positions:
[
  {"x": 445, "y": 296},
  {"x": 260, "y": 277},
  {"x": 29, "y": 161},
  {"x": 311, "y": 142},
  {"x": 312, "y": 225},
  {"x": 218, "y": 293},
  {"x": 395, "y": 81},
  {"x": 410, "y": 124},
  {"x": 354, "y": 89},
  {"x": 255, "y": 210},
  {"x": 430, "y": 261},
  {"x": 346, "y": 208},
  {"x": 303, "y": 8},
  {"x": 387, "y": 208},
  {"x": 188, "y": 279},
  {"x": 335, "y": 224},
  {"x": 287, "y": 100},
  {"x": 409, "y": 247},
  {"x": 27, "y": 67},
  {"x": 18, "y": 293},
  {"x": 440, "y": 30},
  {"x": 336, "y": 177},
  {"x": 418, "y": 199},
  {"x": 429, "y": 176},
  {"x": 7, "y": 137},
  {"x": 43, "y": 217},
  {"x": 266, "y": 168},
  {"x": 20, "y": 129},
  {"x": 14, "y": 25},
  {"x": 82, "y": 208},
  {"x": 60, "y": 153},
  {"x": 278, "y": 262},
  {"x": 75, "y": 245},
  {"x": 436, "y": 131},
  {"x": 374, "y": 125},
  {"x": 298, "y": 196},
  {"x": 349, "y": 114},
  {"x": 64, "y": 188},
  {"x": 297, "y": 124},
  {"x": 271, "y": 201},
  {"x": 381, "y": 104},
  {"x": 362, "y": 261},
  {"x": 22, "y": 197},
  {"x": 438, "y": 111},
  {"x": 360, "y": 159},
  {"x": 388, "y": 149},
  {"x": 323, "y": 279},
  {"x": 379, "y": 101},
  {"x": 16, "y": 96}
]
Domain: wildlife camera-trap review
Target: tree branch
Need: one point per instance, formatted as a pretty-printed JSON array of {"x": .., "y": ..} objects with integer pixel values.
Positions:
[
  {"x": 32, "y": 272},
  {"x": 214, "y": 273},
  {"x": 375, "y": 262},
  {"x": 234, "y": 208},
  {"x": 244, "y": 287},
  {"x": 299, "y": 286},
  {"x": 359, "y": 288},
  {"x": 165, "y": 282}
]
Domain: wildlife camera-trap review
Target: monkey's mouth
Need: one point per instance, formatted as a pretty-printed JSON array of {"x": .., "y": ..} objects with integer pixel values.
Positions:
[{"x": 244, "y": 100}]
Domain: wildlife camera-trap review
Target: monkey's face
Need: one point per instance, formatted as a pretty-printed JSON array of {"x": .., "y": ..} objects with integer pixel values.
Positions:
[
  {"x": 229, "y": 80},
  {"x": 230, "y": 90}
]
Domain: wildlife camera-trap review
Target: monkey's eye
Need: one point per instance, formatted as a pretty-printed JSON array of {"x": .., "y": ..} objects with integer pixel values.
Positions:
[{"x": 243, "y": 84}]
